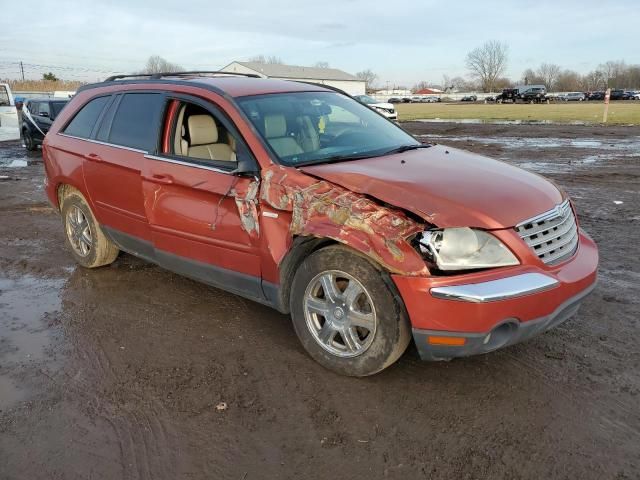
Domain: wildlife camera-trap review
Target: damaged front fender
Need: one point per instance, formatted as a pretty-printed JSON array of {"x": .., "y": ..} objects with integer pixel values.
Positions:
[{"x": 325, "y": 210}]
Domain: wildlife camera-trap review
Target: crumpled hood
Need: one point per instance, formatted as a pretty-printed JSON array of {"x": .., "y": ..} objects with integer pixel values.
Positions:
[{"x": 447, "y": 187}]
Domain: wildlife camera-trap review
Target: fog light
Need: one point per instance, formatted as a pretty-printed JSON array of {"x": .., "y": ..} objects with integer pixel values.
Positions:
[{"x": 448, "y": 341}]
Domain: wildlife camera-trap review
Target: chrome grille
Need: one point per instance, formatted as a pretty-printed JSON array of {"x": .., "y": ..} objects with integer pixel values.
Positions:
[{"x": 553, "y": 235}]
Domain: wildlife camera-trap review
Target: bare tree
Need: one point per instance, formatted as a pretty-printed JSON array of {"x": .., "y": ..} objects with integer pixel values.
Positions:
[
  {"x": 368, "y": 76},
  {"x": 568, "y": 81},
  {"x": 548, "y": 74},
  {"x": 157, "y": 64},
  {"x": 322, "y": 65},
  {"x": 488, "y": 62},
  {"x": 272, "y": 59}
]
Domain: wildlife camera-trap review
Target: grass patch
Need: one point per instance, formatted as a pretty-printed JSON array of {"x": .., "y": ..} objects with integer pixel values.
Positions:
[{"x": 622, "y": 112}]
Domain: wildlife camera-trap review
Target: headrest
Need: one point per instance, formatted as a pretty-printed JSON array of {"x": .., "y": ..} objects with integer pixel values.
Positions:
[
  {"x": 202, "y": 130},
  {"x": 275, "y": 125}
]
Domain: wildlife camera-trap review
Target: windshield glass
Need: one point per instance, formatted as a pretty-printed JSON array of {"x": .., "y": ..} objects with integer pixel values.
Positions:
[
  {"x": 317, "y": 127},
  {"x": 366, "y": 99},
  {"x": 4, "y": 96}
]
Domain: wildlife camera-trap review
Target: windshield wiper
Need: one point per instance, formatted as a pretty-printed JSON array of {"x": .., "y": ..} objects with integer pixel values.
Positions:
[
  {"x": 406, "y": 148},
  {"x": 335, "y": 159}
]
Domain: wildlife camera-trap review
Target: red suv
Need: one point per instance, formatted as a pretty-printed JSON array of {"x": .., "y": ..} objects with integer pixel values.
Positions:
[{"x": 299, "y": 197}]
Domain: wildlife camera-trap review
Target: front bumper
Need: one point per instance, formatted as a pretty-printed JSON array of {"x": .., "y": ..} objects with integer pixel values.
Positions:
[{"x": 462, "y": 315}]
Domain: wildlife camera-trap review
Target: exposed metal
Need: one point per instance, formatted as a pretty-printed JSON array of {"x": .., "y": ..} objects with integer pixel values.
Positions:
[
  {"x": 552, "y": 235},
  {"x": 340, "y": 314},
  {"x": 494, "y": 290},
  {"x": 325, "y": 210}
]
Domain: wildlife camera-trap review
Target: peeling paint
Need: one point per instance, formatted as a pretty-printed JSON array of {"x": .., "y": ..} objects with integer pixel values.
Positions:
[
  {"x": 246, "y": 201},
  {"x": 322, "y": 209}
]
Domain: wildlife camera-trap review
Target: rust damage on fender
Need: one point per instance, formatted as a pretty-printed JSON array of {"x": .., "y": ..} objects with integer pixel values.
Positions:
[
  {"x": 246, "y": 198},
  {"x": 323, "y": 209}
]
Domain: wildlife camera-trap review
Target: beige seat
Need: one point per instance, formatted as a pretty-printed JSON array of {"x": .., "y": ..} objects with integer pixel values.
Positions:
[
  {"x": 308, "y": 137},
  {"x": 275, "y": 129},
  {"x": 203, "y": 140}
]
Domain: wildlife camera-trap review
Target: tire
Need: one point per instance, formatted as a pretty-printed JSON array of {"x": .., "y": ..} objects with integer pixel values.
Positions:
[
  {"x": 84, "y": 237},
  {"x": 29, "y": 142},
  {"x": 362, "y": 294}
]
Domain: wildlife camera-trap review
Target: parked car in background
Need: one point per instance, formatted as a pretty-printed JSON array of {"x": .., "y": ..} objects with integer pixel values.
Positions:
[
  {"x": 634, "y": 95},
  {"x": 469, "y": 98},
  {"x": 595, "y": 96},
  {"x": 489, "y": 99},
  {"x": 9, "y": 118},
  {"x": 630, "y": 95},
  {"x": 385, "y": 109},
  {"x": 523, "y": 94},
  {"x": 617, "y": 94},
  {"x": 299, "y": 197},
  {"x": 406, "y": 100},
  {"x": 574, "y": 97},
  {"x": 37, "y": 117},
  {"x": 430, "y": 99},
  {"x": 395, "y": 100}
]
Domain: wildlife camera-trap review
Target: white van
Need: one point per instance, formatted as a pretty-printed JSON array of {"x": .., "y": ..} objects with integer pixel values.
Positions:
[{"x": 9, "y": 127}]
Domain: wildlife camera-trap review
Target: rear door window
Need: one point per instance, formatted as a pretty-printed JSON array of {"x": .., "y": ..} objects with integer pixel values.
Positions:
[
  {"x": 82, "y": 124},
  {"x": 44, "y": 109},
  {"x": 136, "y": 123}
]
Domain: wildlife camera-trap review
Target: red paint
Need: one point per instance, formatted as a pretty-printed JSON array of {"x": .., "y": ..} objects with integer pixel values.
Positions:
[
  {"x": 447, "y": 187},
  {"x": 248, "y": 227}
]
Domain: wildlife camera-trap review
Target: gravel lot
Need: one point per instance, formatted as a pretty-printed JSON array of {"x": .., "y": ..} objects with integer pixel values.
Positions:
[{"x": 133, "y": 372}]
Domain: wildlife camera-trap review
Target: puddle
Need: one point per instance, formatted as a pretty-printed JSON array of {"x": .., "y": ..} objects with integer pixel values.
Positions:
[
  {"x": 24, "y": 305},
  {"x": 618, "y": 144},
  {"x": 486, "y": 121}
]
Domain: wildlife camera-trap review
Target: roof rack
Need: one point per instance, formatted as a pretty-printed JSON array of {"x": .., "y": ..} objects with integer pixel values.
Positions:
[{"x": 155, "y": 76}]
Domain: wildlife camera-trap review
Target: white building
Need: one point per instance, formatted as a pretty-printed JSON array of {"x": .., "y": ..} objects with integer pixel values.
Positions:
[{"x": 326, "y": 76}]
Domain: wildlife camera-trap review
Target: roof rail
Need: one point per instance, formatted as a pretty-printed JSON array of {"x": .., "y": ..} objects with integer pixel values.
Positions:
[{"x": 155, "y": 76}]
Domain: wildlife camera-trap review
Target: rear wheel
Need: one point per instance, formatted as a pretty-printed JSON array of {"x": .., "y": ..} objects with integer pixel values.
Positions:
[
  {"x": 345, "y": 313},
  {"x": 86, "y": 240}
]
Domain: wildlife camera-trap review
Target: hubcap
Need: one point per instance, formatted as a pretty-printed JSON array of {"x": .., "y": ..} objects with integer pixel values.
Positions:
[
  {"x": 79, "y": 231},
  {"x": 339, "y": 313}
]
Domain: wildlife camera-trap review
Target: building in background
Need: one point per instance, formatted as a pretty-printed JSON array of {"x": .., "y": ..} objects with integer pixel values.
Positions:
[{"x": 326, "y": 76}]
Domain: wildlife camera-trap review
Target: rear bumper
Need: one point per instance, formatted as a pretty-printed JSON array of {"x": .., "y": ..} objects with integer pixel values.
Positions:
[{"x": 470, "y": 314}]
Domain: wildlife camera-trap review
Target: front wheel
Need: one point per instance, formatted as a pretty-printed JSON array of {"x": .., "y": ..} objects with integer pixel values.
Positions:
[
  {"x": 346, "y": 314},
  {"x": 29, "y": 142}
]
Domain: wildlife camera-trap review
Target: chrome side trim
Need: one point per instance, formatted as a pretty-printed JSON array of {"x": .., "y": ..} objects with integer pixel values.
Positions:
[
  {"x": 494, "y": 290},
  {"x": 188, "y": 164},
  {"x": 91, "y": 140}
]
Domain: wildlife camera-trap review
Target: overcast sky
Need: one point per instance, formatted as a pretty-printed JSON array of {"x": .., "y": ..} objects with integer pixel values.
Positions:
[{"x": 403, "y": 42}]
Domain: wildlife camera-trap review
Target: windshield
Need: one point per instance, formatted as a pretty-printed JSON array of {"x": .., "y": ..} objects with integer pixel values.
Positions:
[
  {"x": 366, "y": 99},
  {"x": 4, "y": 95},
  {"x": 57, "y": 108},
  {"x": 317, "y": 127}
]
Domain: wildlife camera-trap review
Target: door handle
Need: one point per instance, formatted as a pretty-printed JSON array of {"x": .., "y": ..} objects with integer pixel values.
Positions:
[
  {"x": 93, "y": 157},
  {"x": 162, "y": 179}
]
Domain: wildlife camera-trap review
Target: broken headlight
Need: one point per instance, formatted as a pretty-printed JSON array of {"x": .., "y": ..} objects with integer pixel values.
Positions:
[{"x": 465, "y": 249}]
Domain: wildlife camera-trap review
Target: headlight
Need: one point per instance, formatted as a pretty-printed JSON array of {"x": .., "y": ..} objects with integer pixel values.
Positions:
[{"x": 465, "y": 249}]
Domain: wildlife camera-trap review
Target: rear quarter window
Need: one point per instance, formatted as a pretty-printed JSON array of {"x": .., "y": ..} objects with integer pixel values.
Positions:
[
  {"x": 137, "y": 121},
  {"x": 84, "y": 121}
]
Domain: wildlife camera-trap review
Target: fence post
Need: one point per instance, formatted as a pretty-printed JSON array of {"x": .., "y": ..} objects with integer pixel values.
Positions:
[{"x": 607, "y": 95}]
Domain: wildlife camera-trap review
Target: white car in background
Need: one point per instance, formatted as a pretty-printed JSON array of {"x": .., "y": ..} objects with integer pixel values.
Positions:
[
  {"x": 386, "y": 109},
  {"x": 9, "y": 129}
]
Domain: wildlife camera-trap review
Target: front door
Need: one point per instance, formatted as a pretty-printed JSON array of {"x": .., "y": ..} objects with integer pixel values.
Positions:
[{"x": 190, "y": 191}]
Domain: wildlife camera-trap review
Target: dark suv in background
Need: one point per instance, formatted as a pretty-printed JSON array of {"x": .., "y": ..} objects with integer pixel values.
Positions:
[{"x": 37, "y": 117}]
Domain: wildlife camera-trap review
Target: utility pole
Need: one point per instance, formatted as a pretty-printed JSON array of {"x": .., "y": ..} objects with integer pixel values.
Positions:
[{"x": 22, "y": 70}]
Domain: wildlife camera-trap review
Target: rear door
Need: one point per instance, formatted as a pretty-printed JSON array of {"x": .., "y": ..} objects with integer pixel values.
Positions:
[
  {"x": 191, "y": 193},
  {"x": 126, "y": 132}
]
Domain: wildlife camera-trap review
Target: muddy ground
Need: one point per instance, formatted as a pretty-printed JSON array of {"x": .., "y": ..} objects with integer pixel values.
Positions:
[{"x": 117, "y": 372}]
